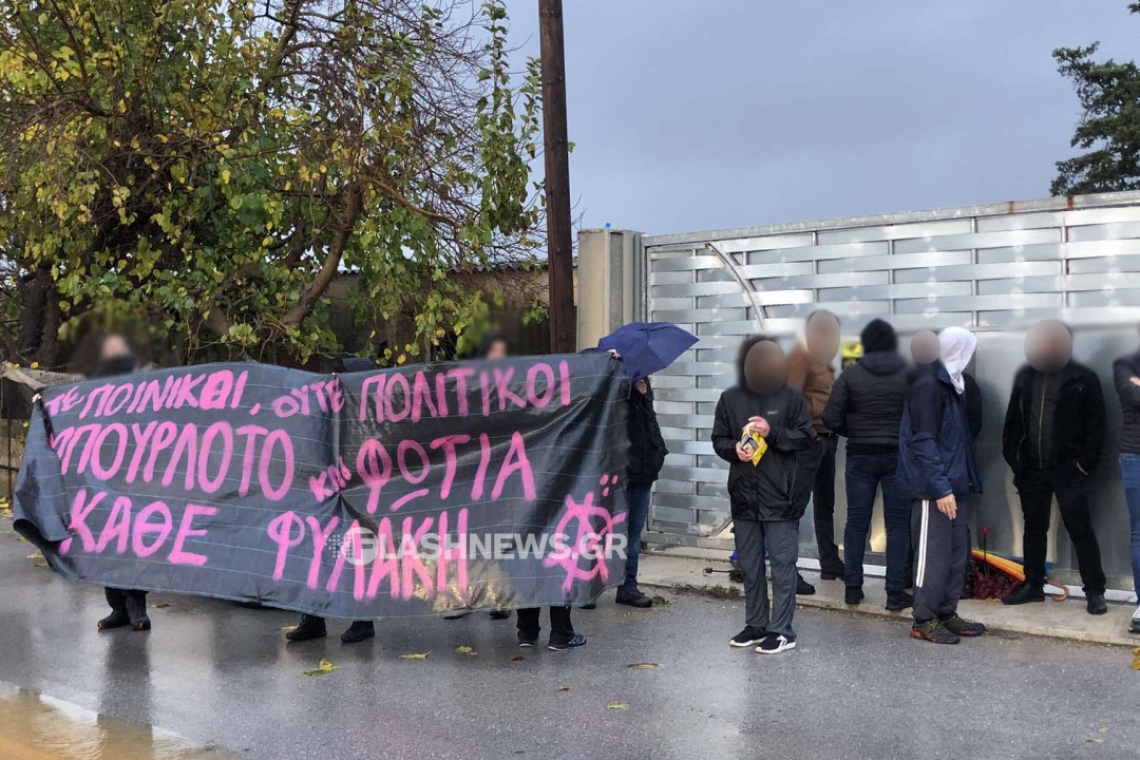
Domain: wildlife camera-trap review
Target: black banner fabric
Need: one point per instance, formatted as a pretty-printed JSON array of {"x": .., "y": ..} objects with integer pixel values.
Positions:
[{"x": 408, "y": 491}]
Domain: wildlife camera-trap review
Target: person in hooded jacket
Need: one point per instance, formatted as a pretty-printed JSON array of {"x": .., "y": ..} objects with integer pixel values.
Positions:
[
  {"x": 768, "y": 497},
  {"x": 866, "y": 407},
  {"x": 647, "y": 454},
  {"x": 1053, "y": 440},
  {"x": 937, "y": 470},
  {"x": 117, "y": 357}
]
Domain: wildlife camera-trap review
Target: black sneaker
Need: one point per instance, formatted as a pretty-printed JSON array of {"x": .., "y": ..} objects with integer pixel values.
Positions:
[
  {"x": 964, "y": 628},
  {"x": 500, "y": 614},
  {"x": 803, "y": 588},
  {"x": 1096, "y": 604},
  {"x": 310, "y": 627},
  {"x": 358, "y": 631},
  {"x": 774, "y": 643},
  {"x": 749, "y": 637},
  {"x": 633, "y": 598},
  {"x": 526, "y": 642},
  {"x": 853, "y": 595},
  {"x": 457, "y": 615},
  {"x": 1025, "y": 593},
  {"x": 575, "y": 641},
  {"x": 899, "y": 601},
  {"x": 1135, "y": 627},
  {"x": 590, "y": 606},
  {"x": 933, "y": 631}
]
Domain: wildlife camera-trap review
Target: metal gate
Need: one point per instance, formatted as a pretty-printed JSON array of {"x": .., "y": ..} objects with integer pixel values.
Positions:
[{"x": 994, "y": 269}]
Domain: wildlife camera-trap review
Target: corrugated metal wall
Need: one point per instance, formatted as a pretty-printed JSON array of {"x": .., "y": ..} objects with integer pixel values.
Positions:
[{"x": 995, "y": 269}]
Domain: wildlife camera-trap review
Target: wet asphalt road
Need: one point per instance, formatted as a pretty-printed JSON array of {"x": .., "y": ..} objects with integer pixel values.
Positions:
[{"x": 223, "y": 676}]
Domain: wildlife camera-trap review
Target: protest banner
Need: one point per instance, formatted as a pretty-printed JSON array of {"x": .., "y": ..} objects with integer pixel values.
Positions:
[{"x": 405, "y": 491}]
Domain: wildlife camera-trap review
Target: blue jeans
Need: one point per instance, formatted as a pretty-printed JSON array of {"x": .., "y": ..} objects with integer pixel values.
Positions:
[
  {"x": 865, "y": 474},
  {"x": 1130, "y": 478},
  {"x": 637, "y": 497}
]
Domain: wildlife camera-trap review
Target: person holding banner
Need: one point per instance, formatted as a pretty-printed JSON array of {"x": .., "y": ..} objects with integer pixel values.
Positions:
[
  {"x": 312, "y": 626},
  {"x": 493, "y": 345},
  {"x": 764, "y": 430},
  {"x": 117, "y": 357}
]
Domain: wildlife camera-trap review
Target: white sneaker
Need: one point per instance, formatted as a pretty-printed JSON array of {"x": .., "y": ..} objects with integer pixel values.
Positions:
[
  {"x": 1135, "y": 627},
  {"x": 774, "y": 644}
]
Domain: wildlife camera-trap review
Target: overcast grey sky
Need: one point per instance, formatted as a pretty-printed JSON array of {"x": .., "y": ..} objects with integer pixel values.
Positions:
[{"x": 700, "y": 114}]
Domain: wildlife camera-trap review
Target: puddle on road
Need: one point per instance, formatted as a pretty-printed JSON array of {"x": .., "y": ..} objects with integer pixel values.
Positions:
[{"x": 38, "y": 727}]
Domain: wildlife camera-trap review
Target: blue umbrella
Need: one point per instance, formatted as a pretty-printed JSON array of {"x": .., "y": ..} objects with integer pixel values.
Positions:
[{"x": 648, "y": 347}]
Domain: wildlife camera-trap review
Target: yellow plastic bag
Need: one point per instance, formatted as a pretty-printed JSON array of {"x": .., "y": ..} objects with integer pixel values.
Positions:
[{"x": 761, "y": 446}]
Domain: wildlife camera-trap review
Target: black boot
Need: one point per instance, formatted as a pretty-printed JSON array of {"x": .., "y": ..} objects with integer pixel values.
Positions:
[
  {"x": 118, "y": 617},
  {"x": 900, "y": 601},
  {"x": 1025, "y": 593},
  {"x": 803, "y": 588},
  {"x": 310, "y": 627},
  {"x": 1096, "y": 605},
  {"x": 358, "y": 631},
  {"x": 136, "y": 610},
  {"x": 852, "y": 595},
  {"x": 500, "y": 614}
]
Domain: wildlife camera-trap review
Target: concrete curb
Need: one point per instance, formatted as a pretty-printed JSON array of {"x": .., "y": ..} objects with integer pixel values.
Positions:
[{"x": 685, "y": 570}]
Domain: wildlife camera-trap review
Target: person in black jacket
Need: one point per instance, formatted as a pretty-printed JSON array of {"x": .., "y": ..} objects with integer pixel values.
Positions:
[
  {"x": 1053, "y": 439},
  {"x": 866, "y": 407},
  {"x": 767, "y": 497},
  {"x": 937, "y": 471},
  {"x": 1126, "y": 376},
  {"x": 646, "y": 457}
]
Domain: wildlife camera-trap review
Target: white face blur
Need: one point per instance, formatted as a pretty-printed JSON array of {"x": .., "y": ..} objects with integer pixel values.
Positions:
[
  {"x": 114, "y": 347},
  {"x": 497, "y": 350}
]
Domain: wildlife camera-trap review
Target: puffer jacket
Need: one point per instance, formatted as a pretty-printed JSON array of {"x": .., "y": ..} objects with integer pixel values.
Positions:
[
  {"x": 778, "y": 487},
  {"x": 936, "y": 451},
  {"x": 866, "y": 403},
  {"x": 1123, "y": 370}
]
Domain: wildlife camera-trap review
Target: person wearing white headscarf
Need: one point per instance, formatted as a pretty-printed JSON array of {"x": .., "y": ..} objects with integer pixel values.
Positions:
[
  {"x": 937, "y": 471},
  {"x": 956, "y": 349}
]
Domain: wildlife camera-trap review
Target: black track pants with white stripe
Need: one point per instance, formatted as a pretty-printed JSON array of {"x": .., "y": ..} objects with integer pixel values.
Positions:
[{"x": 940, "y": 555}]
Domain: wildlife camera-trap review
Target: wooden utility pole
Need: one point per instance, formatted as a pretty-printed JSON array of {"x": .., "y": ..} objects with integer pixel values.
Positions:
[{"x": 560, "y": 246}]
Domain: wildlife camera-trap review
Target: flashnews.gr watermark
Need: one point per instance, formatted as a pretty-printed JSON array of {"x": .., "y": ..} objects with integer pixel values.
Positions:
[{"x": 361, "y": 546}]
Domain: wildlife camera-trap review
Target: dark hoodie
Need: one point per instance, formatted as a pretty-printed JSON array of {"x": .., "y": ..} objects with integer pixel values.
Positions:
[
  {"x": 866, "y": 404},
  {"x": 779, "y": 486}
]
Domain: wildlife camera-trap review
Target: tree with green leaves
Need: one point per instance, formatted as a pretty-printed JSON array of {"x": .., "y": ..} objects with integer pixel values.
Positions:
[
  {"x": 1109, "y": 129},
  {"x": 207, "y": 169}
]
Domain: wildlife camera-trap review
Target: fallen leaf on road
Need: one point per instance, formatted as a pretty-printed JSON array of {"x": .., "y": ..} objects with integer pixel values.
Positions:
[
  {"x": 466, "y": 650},
  {"x": 161, "y": 605},
  {"x": 34, "y": 555},
  {"x": 415, "y": 656},
  {"x": 39, "y": 564},
  {"x": 288, "y": 628},
  {"x": 617, "y": 706},
  {"x": 1093, "y": 739},
  {"x": 643, "y": 666},
  {"x": 660, "y": 601},
  {"x": 323, "y": 668},
  {"x": 518, "y": 658},
  {"x": 564, "y": 688},
  {"x": 1104, "y": 729}
]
